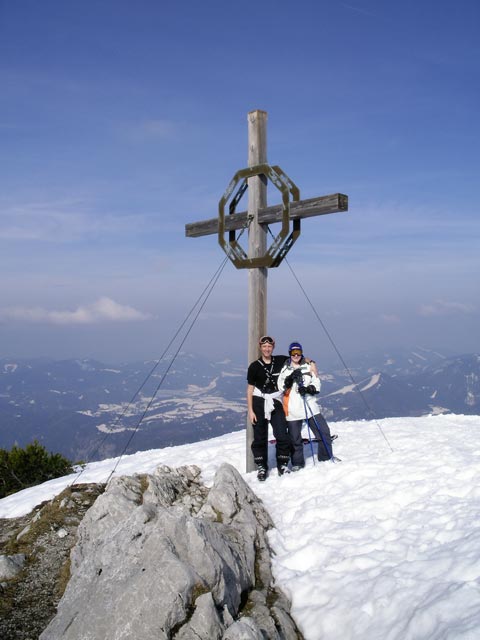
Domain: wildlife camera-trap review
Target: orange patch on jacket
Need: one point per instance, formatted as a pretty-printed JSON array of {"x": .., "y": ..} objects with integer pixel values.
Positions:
[{"x": 285, "y": 401}]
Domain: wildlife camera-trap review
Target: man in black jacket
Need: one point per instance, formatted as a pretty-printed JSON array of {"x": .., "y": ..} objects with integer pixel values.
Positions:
[{"x": 264, "y": 402}]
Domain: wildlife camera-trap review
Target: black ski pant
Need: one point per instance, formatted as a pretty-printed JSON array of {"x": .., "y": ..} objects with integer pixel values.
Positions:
[{"x": 260, "y": 433}]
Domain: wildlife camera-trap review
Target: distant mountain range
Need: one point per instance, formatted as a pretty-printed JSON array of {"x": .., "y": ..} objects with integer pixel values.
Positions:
[{"x": 88, "y": 410}]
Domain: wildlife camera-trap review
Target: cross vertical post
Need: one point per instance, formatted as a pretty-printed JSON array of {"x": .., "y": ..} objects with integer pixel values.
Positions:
[{"x": 257, "y": 245}]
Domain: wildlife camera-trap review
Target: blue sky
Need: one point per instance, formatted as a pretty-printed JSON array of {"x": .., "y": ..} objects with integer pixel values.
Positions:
[{"x": 120, "y": 122}]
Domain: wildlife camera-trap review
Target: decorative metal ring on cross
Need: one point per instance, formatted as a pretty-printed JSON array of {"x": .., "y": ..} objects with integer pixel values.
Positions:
[{"x": 283, "y": 241}]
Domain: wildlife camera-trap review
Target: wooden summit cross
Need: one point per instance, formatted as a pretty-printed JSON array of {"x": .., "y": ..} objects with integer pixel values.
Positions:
[{"x": 260, "y": 257}]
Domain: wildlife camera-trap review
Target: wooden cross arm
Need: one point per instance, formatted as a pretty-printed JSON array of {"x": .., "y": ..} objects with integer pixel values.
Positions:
[{"x": 268, "y": 215}]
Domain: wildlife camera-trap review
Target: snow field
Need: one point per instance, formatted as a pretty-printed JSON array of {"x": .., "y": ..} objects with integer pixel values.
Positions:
[{"x": 384, "y": 545}]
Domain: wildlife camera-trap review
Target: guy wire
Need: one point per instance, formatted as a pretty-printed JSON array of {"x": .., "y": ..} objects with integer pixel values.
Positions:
[
  {"x": 332, "y": 342},
  {"x": 213, "y": 280},
  {"x": 219, "y": 272}
]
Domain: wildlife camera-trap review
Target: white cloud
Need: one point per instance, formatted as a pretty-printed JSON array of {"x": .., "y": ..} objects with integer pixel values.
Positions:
[
  {"x": 443, "y": 308},
  {"x": 103, "y": 310}
]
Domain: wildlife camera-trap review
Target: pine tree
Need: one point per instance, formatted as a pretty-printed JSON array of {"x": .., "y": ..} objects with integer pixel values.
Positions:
[{"x": 22, "y": 468}]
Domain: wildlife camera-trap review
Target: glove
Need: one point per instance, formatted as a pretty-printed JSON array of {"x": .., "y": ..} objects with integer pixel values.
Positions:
[
  {"x": 302, "y": 391},
  {"x": 288, "y": 382},
  {"x": 297, "y": 376},
  {"x": 311, "y": 390}
]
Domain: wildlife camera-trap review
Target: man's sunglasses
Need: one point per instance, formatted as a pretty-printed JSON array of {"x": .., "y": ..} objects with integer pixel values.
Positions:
[{"x": 267, "y": 340}]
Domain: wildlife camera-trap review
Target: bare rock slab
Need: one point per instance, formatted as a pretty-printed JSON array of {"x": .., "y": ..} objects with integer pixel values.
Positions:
[{"x": 162, "y": 556}]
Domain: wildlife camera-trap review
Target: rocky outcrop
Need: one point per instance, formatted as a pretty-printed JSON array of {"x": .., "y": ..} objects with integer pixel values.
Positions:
[
  {"x": 11, "y": 566},
  {"x": 36, "y": 567},
  {"x": 161, "y": 556}
]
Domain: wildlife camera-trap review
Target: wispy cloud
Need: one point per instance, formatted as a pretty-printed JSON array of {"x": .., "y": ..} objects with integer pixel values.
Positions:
[
  {"x": 150, "y": 130},
  {"x": 390, "y": 319},
  {"x": 42, "y": 221},
  {"x": 444, "y": 308},
  {"x": 221, "y": 315},
  {"x": 358, "y": 10},
  {"x": 286, "y": 314},
  {"x": 103, "y": 310},
  {"x": 62, "y": 221}
]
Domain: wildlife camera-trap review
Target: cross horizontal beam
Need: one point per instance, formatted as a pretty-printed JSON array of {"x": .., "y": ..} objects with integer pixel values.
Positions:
[{"x": 333, "y": 203}]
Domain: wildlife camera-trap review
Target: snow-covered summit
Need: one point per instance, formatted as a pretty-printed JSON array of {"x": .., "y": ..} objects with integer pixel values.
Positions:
[{"x": 384, "y": 545}]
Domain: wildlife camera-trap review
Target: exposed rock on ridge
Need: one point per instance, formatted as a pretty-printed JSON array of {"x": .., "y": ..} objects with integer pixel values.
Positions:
[
  {"x": 161, "y": 556},
  {"x": 44, "y": 537}
]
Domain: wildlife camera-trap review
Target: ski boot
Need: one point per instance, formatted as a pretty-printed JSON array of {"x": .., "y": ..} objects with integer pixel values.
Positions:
[{"x": 262, "y": 473}]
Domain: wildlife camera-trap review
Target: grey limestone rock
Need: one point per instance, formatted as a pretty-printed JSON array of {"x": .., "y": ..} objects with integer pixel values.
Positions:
[
  {"x": 244, "y": 629},
  {"x": 30, "y": 599},
  {"x": 10, "y": 566},
  {"x": 161, "y": 556},
  {"x": 205, "y": 623}
]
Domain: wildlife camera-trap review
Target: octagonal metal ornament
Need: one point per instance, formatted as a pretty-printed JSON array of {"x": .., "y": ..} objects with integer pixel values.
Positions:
[{"x": 283, "y": 241}]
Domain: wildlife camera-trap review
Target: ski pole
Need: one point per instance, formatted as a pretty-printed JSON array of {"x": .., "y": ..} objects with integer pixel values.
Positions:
[
  {"x": 328, "y": 448},
  {"x": 308, "y": 431}
]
